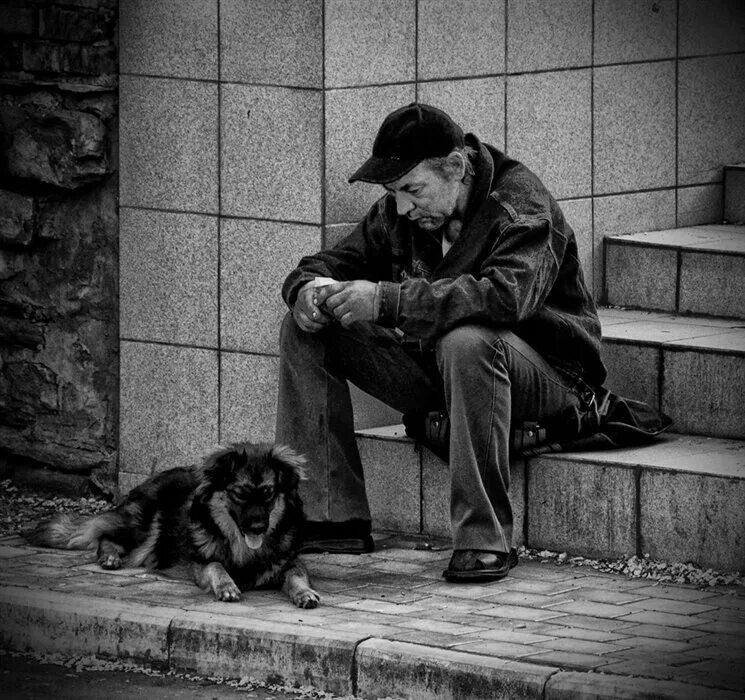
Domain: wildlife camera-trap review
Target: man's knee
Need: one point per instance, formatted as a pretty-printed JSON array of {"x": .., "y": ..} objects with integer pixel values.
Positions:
[{"x": 469, "y": 343}]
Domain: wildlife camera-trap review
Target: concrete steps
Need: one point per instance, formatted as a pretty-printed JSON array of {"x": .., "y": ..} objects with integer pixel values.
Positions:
[
  {"x": 691, "y": 367},
  {"x": 694, "y": 270},
  {"x": 680, "y": 499}
]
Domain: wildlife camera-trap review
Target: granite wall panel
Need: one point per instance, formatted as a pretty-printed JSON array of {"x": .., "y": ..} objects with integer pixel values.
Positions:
[
  {"x": 168, "y": 277},
  {"x": 168, "y": 144},
  {"x": 172, "y": 38},
  {"x": 275, "y": 43},
  {"x": 168, "y": 399},
  {"x": 548, "y": 128}
]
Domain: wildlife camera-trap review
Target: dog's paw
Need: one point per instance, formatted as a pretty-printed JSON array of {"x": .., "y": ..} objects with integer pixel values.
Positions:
[
  {"x": 227, "y": 592},
  {"x": 307, "y": 598},
  {"x": 110, "y": 561}
]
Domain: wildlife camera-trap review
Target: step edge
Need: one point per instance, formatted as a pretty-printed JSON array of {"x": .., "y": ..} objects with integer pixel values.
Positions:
[
  {"x": 683, "y": 345},
  {"x": 711, "y": 326},
  {"x": 610, "y": 458},
  {"x": 633, "y": 239}
]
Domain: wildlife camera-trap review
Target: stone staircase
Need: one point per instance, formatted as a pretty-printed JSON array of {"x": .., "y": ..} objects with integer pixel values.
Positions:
[{"x": 674, "y": 336}]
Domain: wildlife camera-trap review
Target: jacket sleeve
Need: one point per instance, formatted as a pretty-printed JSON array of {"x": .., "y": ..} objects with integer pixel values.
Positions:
[
  {"x": 508, "y": 285},
  {"x": 363, "y": 254}
]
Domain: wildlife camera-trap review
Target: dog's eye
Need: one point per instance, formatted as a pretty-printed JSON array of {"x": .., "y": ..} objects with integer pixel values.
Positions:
[
  {"x": 266, "y": 492},
  {"x": 239, "y": 496}
]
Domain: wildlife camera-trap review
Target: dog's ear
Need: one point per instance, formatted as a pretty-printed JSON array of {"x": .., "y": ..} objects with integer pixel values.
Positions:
[
  {"x": 289, "y": 464},
  {"x": 218, "y": 467}
]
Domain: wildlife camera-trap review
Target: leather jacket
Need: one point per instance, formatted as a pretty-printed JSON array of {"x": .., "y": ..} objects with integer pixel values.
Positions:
[{"x": 515, "y": 265}]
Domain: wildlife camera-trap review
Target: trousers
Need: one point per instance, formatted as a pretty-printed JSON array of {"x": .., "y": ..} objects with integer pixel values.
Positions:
[{"x": 484, "y": 377}]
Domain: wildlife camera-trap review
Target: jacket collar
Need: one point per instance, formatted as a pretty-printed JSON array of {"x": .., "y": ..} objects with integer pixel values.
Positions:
[{"x": 482, "y": 184}]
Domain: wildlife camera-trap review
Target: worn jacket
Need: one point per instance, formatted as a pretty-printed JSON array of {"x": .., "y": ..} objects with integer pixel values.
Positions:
[{"x": 514, "y": 265}]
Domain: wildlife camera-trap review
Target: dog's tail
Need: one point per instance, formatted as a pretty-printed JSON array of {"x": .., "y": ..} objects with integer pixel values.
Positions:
[{"x": 65, "y": 531}]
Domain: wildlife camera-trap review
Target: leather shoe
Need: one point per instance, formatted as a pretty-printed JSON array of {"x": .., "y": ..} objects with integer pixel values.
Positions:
[{"x": 476, "y": 565}]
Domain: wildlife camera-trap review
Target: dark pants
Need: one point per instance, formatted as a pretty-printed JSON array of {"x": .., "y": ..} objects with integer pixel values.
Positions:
[{"x": 484, "y": 377}]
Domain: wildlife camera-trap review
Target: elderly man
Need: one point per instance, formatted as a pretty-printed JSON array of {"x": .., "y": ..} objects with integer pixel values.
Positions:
[{"x": 461, "y": 291}]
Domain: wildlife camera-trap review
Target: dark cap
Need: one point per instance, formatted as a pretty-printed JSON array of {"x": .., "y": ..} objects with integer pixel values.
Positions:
[{"x": 406, "y": 137}]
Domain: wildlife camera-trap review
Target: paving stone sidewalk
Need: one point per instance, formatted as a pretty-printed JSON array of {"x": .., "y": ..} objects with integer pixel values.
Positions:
[{"x": 389, "y": 625}]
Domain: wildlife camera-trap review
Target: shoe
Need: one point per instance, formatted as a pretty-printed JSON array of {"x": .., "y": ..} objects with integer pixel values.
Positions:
[
  {"x": 475, "y": 565},
  {"x": 346, "y": 537}
]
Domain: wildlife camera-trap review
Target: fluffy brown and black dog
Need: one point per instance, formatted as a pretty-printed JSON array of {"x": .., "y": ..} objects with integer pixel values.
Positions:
[{"x": 236, "y": 520}]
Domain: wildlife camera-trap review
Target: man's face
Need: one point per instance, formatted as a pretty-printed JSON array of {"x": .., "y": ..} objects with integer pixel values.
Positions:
[{"x": 426, "y": 196}]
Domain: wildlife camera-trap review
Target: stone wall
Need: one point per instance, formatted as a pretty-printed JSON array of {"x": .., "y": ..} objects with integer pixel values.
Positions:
[{"x": 58, "y": 243}]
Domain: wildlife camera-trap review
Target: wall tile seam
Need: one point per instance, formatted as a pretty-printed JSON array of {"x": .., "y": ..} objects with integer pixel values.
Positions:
[
  {"x": 251, "y": 353},
  {"x": 214, "y": 81},
  {"x": 463, "y": 78},
  {"x": 599, "y": 276},
  {"x": 677, "y": 143},
  {"x": 694, "y": 57},
  {"x": 438, "y": 79},
  {"x": 664, "y": 188},
  {"x": 324, "y": 159},
  {"x": 291, "y": 222},
  {"x": 505, "y": 105},
  {"x": 220, "y": 216},
  {"x": 483, "y": 76},
  {"x": 416, "y": 55},
  {"x": 708, "y": 183},
  {"x": 219, "y": 276},
  {"x": 518, "y": 73},
  {"x": 417, "y": 82},
  {"x": 174, "y": 344},
  {"x": 166, "y": 210},
  {"x": 192, "y": 346}
]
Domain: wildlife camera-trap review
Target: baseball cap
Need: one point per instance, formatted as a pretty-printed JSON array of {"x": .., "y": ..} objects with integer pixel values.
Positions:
[{"x": 406, "y": 137}]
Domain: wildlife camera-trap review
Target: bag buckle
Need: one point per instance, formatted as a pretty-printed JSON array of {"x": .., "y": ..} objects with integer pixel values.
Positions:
[{"x": 585, "y": 393}]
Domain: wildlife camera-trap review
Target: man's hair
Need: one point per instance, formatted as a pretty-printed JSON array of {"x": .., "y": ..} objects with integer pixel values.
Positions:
[{"x": 444, "y": 166}]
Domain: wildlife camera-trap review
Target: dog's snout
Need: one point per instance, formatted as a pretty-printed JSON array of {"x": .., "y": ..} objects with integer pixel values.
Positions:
[{"x": 255, "y": 520}]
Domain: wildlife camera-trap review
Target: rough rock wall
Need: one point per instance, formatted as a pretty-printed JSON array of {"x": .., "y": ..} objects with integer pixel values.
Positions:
[{"x": 58, "y": 243}]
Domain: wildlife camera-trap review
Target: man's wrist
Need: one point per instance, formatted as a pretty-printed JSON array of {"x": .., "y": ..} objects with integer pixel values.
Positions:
[{"x": 387, "y": 300}]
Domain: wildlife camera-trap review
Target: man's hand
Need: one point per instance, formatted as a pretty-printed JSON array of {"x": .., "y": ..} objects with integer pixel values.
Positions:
[
  {"x": 306, "y": 313},
  {"x": 349, "y": 301}
]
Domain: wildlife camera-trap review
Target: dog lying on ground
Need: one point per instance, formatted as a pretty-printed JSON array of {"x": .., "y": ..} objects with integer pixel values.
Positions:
[{"x": 236, "y": 520}]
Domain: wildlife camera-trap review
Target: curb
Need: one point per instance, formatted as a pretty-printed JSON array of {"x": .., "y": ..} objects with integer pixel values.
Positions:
[{"x": 216, "y": 644}]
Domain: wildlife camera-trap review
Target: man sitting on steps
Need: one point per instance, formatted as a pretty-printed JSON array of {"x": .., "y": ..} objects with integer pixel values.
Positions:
[{"x": 460, "y": 292}]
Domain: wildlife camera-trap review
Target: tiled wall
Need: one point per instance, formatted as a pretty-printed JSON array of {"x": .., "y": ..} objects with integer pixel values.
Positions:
[{"x": 242, "y": 119}]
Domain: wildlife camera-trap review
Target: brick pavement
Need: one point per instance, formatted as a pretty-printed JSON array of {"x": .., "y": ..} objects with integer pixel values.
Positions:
[{"x": 555, "y": 631}]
